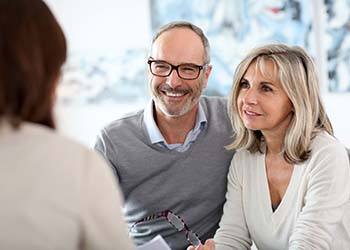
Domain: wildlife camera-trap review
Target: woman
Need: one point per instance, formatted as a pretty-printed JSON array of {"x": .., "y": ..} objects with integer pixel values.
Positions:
[
  {"x": 289, "y": 182},
  {"x": 55, "y": 194}
]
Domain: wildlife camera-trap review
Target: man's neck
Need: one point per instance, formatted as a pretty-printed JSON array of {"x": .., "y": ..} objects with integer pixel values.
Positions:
[{"x": 175, "y": 129}]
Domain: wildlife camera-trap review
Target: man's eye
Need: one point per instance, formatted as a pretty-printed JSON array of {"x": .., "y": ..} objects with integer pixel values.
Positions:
[
  {"x": 161, "y": 66},
  {"x": 188, "y": 69}
]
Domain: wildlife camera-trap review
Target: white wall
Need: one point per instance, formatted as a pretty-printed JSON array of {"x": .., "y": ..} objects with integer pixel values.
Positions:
[
  {"x": 338, "y": 110},
  {"x": 83, "y": 122},
  {"x": 115, "y": 25},
  {"x": 99, "y": 26},
  {"x": 104, "y": 24}
]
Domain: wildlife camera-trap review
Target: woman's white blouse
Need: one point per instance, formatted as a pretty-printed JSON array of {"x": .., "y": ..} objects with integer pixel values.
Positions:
[{"x": 313, "y": 214}]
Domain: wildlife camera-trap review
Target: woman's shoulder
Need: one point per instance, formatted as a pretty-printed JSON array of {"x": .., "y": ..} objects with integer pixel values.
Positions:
[
  {"x": 41, "y": 142},
  {"x": 324, "y": 142},
  {"x": 327, "y": 152},
  {"x": 246, "y": 161},
  {"x": 50, "y": 139}
]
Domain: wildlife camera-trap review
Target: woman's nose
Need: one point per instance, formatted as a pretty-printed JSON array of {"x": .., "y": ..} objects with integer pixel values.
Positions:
[{"x": 251, "y": 96}]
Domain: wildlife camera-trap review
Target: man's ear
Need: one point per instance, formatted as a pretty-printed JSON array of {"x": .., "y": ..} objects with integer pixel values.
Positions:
[{"x": 207, "y": 73}]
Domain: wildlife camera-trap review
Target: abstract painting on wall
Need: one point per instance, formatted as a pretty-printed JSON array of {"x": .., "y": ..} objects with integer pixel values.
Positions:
[
  {"x": 100, "y": 78},
  {"x": 338, "y": 45},
  {"x": 233, "y": 28}
]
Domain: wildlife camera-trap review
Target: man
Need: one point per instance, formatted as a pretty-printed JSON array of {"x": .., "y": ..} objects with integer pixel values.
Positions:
[{"x": 170, "y": 157}]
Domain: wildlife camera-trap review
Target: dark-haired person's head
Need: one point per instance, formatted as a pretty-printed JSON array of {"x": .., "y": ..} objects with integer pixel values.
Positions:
[{"x": 32, "y": 52}]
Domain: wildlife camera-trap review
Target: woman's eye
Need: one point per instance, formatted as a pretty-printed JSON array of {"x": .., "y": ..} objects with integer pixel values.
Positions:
[
  {"x": 244, "y": 85},
  {"x": 266, "y": 88}
]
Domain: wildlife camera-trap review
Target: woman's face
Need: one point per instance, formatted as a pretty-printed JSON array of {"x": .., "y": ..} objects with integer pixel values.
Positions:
[{"x": 262, "y": 102}]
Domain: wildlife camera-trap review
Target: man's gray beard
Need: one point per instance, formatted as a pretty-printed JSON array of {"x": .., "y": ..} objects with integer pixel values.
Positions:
[
  {"x": 189, "y": 105},
  {"x": 184, "y": 110}
]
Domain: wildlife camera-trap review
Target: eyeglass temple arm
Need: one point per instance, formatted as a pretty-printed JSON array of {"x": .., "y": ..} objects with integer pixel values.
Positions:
[{"x": 152, "y": 217}]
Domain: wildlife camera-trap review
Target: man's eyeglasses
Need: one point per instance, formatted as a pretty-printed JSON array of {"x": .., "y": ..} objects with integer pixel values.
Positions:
[
  {"x": 176, "y": 222},
  {"x": 186, "y": 71}
]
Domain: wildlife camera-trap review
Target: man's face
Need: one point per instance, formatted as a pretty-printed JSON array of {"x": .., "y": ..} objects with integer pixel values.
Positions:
[{"x": 172, "y": 95}]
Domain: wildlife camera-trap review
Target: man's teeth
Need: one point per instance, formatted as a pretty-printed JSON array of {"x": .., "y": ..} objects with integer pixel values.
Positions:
[{"x": 174, "y": 94}]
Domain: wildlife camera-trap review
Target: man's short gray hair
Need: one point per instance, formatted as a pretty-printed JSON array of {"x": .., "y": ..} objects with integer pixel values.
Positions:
[{"x": 188, "y": 25}]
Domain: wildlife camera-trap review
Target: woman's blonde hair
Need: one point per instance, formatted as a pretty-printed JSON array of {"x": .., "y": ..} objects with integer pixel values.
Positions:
[{"x": 297, "y": 74}]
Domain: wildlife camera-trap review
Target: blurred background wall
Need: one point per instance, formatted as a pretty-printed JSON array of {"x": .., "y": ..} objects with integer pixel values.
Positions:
[{"x": 106, "y": 72}]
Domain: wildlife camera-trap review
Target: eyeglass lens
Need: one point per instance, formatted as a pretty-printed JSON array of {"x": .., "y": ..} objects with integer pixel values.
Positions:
[
  {"x": 192, "y": 237},
  {"x": 176, "y": 221},
  {"x": 180, "y": 225}
]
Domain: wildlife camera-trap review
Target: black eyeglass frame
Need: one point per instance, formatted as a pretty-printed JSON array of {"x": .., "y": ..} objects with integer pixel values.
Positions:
[
  {"x": 176, "y": 68},
  {"x": 164, "y": 214}
]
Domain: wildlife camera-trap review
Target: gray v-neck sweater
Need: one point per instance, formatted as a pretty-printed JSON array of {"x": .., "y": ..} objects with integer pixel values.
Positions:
[{"x": 153, "y": 179}]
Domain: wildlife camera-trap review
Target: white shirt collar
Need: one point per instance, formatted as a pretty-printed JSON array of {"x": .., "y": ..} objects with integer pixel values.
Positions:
[{"x": 153, "y": 131}]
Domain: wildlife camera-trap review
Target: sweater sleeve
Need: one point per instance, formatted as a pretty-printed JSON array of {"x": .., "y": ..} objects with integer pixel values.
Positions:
[
  {"x": 105, "y": 148},
  {"x": 233, "y": 232},
  {"x": 326, "y": 197},
  {"x": 103, "y": 225}
]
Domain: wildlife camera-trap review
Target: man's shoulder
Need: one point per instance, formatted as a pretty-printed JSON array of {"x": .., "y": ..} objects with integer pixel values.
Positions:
[
  {"x": 213, "y": 99},
  {"x": 125, "y": 122},
  {"x": 215, "y": 106},
  {"x": 213, "y": 102}
]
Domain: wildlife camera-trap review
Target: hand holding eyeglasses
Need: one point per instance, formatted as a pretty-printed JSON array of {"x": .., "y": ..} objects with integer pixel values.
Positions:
[{"x": 209, "y": 245}]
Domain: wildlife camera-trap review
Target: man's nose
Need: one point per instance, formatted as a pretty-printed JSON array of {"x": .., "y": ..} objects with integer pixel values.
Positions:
[{"x": 173, "y": 80}]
